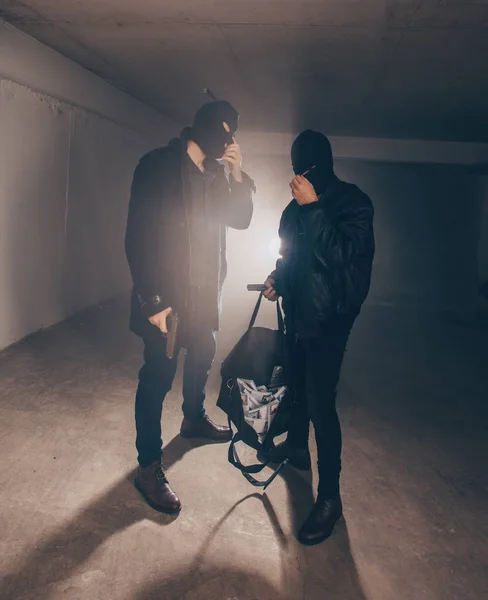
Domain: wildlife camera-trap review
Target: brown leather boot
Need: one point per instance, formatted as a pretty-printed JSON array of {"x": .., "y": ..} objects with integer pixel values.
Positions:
[
  {"x": 153, "y": 485},
  {"x": 205, "y": 428}
]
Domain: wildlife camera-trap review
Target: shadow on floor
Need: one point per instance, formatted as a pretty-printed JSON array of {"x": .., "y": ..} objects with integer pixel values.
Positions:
[
  {"x": 213, "y": 583},
  {"x": 328, "y": 571},
  {"x": 56, "y": 559},
  {"x": 324, "y": 572},
  {"x": 203, "y": 581},
  {"x": 176, "y": 449},
  {"x": 300, "y": 495}
]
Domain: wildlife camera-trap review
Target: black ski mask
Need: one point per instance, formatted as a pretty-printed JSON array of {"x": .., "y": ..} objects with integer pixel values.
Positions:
[
  {"x": 311, "y": 151},
  {"x": 208, "y": 130}
]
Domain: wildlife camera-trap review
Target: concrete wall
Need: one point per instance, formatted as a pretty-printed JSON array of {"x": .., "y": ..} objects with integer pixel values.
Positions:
[
  {"x": 426, "y": 228},
  {"x": 373, "y": 149},
  {"x": 483, "y": 230},
  {"x": 426, "y": 231},
  {"x": 68, "y": 146},
  {"x": 431, "y": 214}
]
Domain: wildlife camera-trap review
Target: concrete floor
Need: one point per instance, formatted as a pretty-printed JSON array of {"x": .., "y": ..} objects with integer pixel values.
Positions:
[{"x": 414, "y": 406}]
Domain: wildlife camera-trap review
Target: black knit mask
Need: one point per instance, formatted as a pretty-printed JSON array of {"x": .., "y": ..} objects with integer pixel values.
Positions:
[
  {"x": 311, "y": 151},
  {"x": 208, "y": 130}
]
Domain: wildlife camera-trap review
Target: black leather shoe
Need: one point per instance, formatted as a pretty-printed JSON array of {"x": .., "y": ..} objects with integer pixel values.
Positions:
[
  {"x": 153, "y": 485},
  {"x": 300, "y": 459},
  {"x": 321, "y": 521},
  {"x": 205, "y": 428}
]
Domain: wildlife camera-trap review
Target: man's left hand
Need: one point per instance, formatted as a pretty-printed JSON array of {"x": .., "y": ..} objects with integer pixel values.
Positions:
[
  {"x": 233, "y": 156},
  {"x": 303, "y": 191}
]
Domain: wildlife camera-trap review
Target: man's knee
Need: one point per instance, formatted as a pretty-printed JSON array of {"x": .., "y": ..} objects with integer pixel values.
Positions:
[
  {"x": 154, "y": 378},
  {"x": 321, "y": 404},
  {"x": 205, "y": 349}
]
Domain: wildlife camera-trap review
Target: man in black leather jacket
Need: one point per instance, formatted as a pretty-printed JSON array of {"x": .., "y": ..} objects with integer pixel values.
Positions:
[
  {"x": 181, "y": 205},
  {"x": 323, "y": 277}
]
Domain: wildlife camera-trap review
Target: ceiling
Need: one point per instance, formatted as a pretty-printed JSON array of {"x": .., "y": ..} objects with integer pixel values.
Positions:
[{"x": 394, "y": 68}]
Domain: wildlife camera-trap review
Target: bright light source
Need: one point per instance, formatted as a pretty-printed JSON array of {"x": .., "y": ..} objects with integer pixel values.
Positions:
[{"x": 274, "y": 248}]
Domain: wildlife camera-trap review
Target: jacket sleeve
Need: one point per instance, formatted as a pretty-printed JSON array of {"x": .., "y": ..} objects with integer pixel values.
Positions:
[
  {"x": 278, "y": 274},
  {"x": 340, "y": 237},
  {"x": 142, "y": 238},
  {"x": 237, "y": 211}
]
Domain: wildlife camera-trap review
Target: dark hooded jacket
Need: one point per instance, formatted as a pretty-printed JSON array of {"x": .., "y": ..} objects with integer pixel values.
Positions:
[
  {"x": 327, "y": 251},
  {"x": 157, "y": 242}
]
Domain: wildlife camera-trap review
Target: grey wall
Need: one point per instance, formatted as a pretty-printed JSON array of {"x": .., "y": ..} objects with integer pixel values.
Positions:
[
  {"x": 426, "y": 231},
  {"x": 65, "y": 173},
  {"x": 426, "y": 227},
  {"x": 68, "y": 148},
  {"x": 483, "y": 230},
  {"x": 64, "y": 177}
]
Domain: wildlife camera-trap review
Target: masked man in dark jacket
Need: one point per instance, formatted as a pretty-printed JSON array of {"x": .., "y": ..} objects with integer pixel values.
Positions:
[
  {"x": 323, "y": 277},
  {"x": 181, "y": 205}
]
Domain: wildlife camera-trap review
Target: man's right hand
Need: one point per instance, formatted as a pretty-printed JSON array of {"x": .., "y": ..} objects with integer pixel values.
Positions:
[
  {"x": 159, "y": 320},
  {"x": 270, "y": 294}
]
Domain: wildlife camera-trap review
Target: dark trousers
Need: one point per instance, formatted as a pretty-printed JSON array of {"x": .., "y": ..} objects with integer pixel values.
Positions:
[
  {"x": 156, "y": 379},
  {"x": 315, "y": 366}
]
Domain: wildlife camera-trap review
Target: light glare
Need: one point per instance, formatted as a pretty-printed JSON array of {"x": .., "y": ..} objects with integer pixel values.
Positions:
[{"x": 274, "y": 248}]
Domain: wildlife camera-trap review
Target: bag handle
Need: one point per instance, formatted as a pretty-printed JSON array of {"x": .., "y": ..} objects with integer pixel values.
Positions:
[
  {"x": 279, "y": 314},
  {"x": 235, "y": 461},
  {"x": 249, "y": 470}
]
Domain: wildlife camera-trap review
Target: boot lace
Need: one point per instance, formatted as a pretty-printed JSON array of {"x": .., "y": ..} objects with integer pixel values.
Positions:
[{"x": 160, "y": 475}]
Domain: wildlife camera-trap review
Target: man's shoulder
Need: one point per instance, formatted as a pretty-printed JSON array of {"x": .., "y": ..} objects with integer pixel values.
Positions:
[
  {"x": 289, "y": 214},
  {"x": 163, "y": 154},
  {"x": 352, "y": 194},
  {"x": 155, "y": 154},
  {"x": 155, "y": 167},
  {"x": 291, "y": 208},
  {"x": 157, "y": 157}
]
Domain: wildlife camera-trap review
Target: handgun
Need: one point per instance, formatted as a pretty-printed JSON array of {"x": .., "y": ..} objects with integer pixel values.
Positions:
[
  {"x": 256, "y": 287},
  {"x": 171, "y": 337}
]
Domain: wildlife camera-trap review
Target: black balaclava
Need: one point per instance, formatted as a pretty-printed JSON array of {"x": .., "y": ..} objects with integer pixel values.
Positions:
[
  {"x": 312, "y": 149},
  {"x": 208, "y": 130}
]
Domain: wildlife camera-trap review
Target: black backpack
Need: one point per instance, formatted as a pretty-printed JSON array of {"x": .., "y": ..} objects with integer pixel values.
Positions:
[{"x": 256, "y": 363}]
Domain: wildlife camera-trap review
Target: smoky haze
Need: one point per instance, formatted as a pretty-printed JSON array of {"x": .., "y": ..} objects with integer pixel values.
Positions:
[{"x": 405, "y": 77}]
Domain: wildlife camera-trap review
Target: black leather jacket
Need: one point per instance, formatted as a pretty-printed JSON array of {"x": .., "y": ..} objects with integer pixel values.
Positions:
[{"x": 327, "y": 251}]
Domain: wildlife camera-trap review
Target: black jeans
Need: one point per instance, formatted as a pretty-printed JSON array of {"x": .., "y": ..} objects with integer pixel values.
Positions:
[
  {"x": 315, "y": 366},
  {"x": 156, "y": 379}
]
